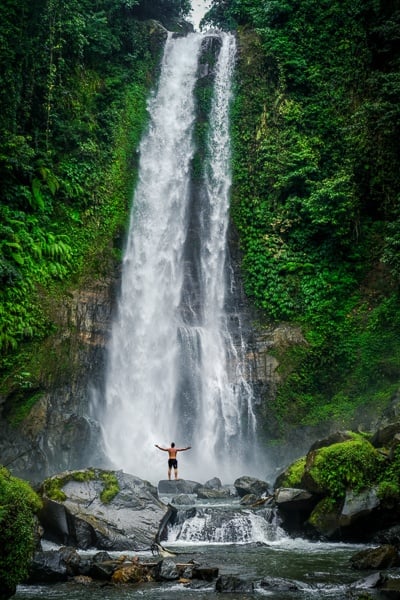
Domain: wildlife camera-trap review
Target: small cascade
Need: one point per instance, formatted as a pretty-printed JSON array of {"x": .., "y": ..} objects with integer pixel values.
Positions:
[{"x": 225, "y": 525}]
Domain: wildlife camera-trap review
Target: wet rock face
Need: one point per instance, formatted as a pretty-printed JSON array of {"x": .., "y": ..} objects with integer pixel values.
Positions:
[
  {"x": 129, "y": 521},
  {"x": 57, "y": 434}
]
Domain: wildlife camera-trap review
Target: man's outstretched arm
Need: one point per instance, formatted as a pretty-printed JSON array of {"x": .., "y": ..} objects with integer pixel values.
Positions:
[
  {"x": 159, "y": 447},
  {"x": 182, "y": 449}
]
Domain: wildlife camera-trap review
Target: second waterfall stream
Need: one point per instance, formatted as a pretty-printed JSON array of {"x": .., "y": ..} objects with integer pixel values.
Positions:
[{"x": 176, "y": 361}]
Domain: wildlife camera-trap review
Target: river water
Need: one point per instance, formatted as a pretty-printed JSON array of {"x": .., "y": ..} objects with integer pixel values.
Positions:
[{"x": 310, "y": 570}]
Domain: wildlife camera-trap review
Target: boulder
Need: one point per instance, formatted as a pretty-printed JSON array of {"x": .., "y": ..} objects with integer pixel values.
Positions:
[
  {"x": 334, "y": 438},
  {"x": 388, "y": 536},
  {"x": 232, "y": 583},
  {"x": 214, "y": 484},
  {"x": 357, "y": 506},
  {"x": 383, "y": 557},
  {"x": 178, "y": 486},
  {"x": 293, "y": 499},
  {"x": 383, "y": 437},
  {"x": 279, "y": 584},
  {"x": 248, "y": 500},
  {"x": 47, "y": 567},
  {"x": 183, "y": 500},
  {"x": 250, "y": 485},
  {"x": 166, "y": 570},
  {"x": 128, "y": 521}
]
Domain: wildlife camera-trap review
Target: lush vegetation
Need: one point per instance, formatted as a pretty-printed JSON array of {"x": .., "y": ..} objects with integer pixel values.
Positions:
[
  {"x": 18, "y": 506},
  {"x": 316, "y": 124},
  {"x": 74, "y": 79},
  {"x": 315, "y": 129}
]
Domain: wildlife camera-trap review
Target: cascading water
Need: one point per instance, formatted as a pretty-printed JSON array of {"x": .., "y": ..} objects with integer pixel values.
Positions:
[{"x": 176, "y": 371}]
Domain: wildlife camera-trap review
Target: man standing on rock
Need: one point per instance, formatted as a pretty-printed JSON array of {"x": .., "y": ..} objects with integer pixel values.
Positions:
[{"x": 172, "y": 460}]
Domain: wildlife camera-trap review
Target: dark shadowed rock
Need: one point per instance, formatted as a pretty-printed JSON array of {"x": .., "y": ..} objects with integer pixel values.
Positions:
[
  {"x": 388, "y": 536},
  {"x": 250, "y": 485},
  {"x": 384, "y": 436},
  {"x": 129, "y": 521},
  {"x": 231, "y": 583},
  {"x": 178, "y": 486},
  {"x": 279, "y": 584},
  {"x": 390, "y": 587},
  {"x": 334, "y": 438},
  {"x": 382, "y": 557},
  {"x": 48, "y": 567},
  {"x": 205, "y": 573}
]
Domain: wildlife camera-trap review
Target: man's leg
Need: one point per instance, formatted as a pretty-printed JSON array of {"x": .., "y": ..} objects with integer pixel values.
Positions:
[
  {"x": 176, "y": 472},
  {"x": 169, "y": 472}
]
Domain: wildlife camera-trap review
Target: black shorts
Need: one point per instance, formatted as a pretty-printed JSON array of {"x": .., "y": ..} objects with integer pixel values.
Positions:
[{"x": 172, "y": 463}]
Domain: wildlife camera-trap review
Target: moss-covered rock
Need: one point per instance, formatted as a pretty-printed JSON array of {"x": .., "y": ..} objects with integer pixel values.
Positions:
[{"x": 332, "y": 470}]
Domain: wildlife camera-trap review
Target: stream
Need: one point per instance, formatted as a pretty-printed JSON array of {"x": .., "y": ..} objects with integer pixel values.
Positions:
[{"x": 239, "y": 542}]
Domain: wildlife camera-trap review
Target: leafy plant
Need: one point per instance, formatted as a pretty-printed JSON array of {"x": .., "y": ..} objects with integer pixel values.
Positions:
[{"x": 18, "y": 506}]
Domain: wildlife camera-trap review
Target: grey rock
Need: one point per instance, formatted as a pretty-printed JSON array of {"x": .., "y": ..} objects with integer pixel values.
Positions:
[
  {"x": 166, "y": 570},
  {"x": 130, "y": 521},
  {"x": 250, "y": 485},
  {"x": 294, "y": 499},
  {"x": 357, "y": 506},
  {"x": 213, "y": 484}
]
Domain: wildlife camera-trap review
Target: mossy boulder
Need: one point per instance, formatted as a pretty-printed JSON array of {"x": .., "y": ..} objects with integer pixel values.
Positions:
[{"x": 331, "y": 470}]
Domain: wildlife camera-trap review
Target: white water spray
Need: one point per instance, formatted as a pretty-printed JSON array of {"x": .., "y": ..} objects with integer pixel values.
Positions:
[{"x": 174, "y": 371}]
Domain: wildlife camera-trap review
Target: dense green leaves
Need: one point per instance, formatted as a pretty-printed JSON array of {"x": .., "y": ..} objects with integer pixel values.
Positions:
[
  {"x": 18, "y": 505},
  {"x": 316, "y": 191},
  {"x": 70, "y": 74}
]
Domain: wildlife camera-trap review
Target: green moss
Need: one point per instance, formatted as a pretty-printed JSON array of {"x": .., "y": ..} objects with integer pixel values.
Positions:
[
  {"x": 324, "y": 514},
  {"x": 111, "y": 487},
  {"x": 294, "y": 473},
  {"x": 347, "y": 465}
]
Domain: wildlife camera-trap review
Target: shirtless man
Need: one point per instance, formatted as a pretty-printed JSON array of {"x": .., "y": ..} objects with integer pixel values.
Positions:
[{"x": 172, "y": 461}]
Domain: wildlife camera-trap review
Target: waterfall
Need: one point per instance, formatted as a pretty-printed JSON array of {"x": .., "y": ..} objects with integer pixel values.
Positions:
[{"x": 175, "y": 365}]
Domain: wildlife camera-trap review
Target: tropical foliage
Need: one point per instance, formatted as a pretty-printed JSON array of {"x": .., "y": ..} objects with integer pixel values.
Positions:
[
  {"x": 18, "y": 506},
  {"x": 316, "y": 192}
]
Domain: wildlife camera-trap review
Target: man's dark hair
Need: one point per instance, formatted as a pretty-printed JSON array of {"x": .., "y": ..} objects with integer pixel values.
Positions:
[{"x": 172, "y": 444}]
